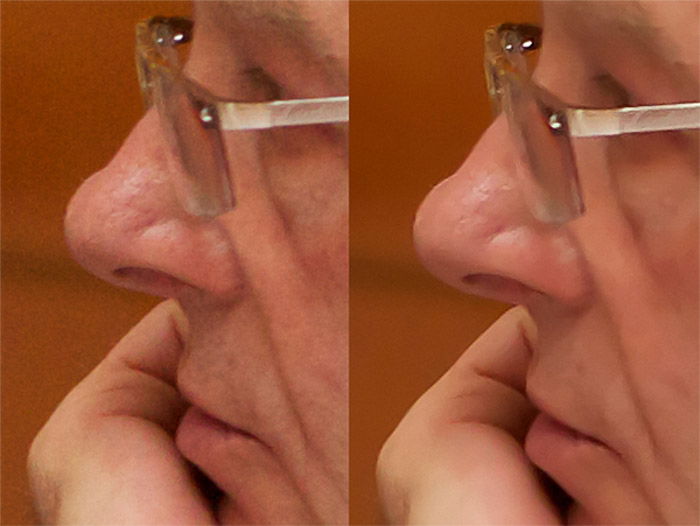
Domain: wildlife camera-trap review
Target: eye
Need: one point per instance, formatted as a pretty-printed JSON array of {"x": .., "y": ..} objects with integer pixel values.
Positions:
[
  {"x": 262, "y": 84},
  {"x": 611, "y": 88}
]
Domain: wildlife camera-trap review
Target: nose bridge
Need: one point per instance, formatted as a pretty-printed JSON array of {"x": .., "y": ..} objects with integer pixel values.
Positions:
[
  {"x": 125, "y": 225},
  {"x": 475, "y": 228}
]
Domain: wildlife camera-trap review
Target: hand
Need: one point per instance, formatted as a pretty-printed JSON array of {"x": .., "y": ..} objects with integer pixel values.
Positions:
[
  {"x": 107, "y": 454},
  {"x": 457, "y": 456}
]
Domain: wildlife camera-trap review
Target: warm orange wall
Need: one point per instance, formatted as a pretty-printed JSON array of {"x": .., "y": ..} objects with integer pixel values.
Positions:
[
  {"x": 418, "y": 106},
  {"x": 69, "y": 97}
]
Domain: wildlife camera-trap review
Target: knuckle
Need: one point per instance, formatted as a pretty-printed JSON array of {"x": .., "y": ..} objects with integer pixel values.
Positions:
[
  {"x": 42, "y": 478},
  {"x": 38, "y": 452},
  {"x": 385, "y": 463},
  {"x": 393, "y": 468},
  {"x": 391, "y": 483}
]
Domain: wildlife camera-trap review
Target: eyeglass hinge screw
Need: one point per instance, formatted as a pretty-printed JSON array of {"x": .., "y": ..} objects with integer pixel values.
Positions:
[
  {"x": 556, "y": 122},
  {"x": 206, "y": 114}
]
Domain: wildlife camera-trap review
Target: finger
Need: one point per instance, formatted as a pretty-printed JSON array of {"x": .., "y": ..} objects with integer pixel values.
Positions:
[
  {"x": 480, "y": 475},
  {"x": 129, "y": 472},
  {"x": 502, "y": 352},
  {"x": 487, "y": 384},
  {"x": 138, "y": 377},
  {"x": 107, "y": 455},
  {"x": 155, "y": 343},
  {"x": 457, "y": 457}
]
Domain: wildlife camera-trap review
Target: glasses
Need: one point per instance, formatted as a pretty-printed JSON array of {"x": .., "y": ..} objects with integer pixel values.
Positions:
[
  {"x": 542, "y": 126},
  {"x": 193, "y": 119}
]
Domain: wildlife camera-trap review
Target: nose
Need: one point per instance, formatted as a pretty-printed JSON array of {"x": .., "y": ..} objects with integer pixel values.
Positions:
[
  {"x": 125, "y": 225},
  {"x": 475, "y": 232}
]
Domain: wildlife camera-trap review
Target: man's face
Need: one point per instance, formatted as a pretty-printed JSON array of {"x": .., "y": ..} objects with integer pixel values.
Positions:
[
  {"x": 265, "y": 286},
  {"x": 615, "y": 292}
]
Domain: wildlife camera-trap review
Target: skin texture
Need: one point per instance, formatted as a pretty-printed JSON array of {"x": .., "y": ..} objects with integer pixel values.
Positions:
[
  {"x": 613, "y": 294},
  {"x": 260, "y": 292}
]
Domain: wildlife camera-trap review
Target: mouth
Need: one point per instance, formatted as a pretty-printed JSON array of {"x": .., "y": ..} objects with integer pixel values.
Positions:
[
  {"x": 197, "y": 417},
  {"x": 200, "y": 417},
  {"x": 212, "y": 447},
  {"x": 208, "y": 443},
  {"x": 548, "y": 425},
  {"x": 564, "y": 455},
  {"x": 549, "y": 429},
  {"x": 199, "y": 428}
]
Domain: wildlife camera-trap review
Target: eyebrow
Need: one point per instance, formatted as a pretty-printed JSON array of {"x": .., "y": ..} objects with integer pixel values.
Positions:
[
  {"x": 285, "y": 15},
  {"x": 636, "y": 24},
  {"x": 287, "y": 18}
]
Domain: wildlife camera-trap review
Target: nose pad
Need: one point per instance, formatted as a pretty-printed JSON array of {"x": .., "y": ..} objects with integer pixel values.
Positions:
[
  {"x": 475, "y": 232},
  {"x": 125, "y": 225}
]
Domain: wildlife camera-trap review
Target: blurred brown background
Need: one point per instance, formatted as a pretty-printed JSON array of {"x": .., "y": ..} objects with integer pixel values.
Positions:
[
  {"x": 418, "y": 106},
  {"x": 69, "y": 97}
]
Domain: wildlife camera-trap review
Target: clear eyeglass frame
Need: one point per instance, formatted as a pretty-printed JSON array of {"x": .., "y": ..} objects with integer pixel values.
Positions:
[
  {"x": 193, "y": 119},
  {"x": 543, "y": 126}
]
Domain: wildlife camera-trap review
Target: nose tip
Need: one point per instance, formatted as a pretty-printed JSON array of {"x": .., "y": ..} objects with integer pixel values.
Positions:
[
  {"x": 124, "y": 225},
  {"x": 475, "y": 232},
  {"x": 464, "y": 234}
]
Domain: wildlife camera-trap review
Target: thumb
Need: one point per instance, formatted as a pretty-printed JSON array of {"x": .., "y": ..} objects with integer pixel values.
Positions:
[
  {"x": 457, "y": 457},
  {"x": 107, "y": 454}
]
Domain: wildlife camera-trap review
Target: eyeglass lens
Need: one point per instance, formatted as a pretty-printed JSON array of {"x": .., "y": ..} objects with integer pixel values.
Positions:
[
  {"x": 546, "y": 165},
  {"x": 200, "y": 171}
]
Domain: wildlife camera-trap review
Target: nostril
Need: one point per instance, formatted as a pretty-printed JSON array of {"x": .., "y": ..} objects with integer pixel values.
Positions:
[
  {"x": 498, "y": 288},
  {"x": 149, "y": 281}
]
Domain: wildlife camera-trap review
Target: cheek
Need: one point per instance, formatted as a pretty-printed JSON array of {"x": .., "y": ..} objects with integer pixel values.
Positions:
[
  {"x": 657, "y": 182},
  {"x": 305, "y": 168},
  {"x": 301, "y": 171}
]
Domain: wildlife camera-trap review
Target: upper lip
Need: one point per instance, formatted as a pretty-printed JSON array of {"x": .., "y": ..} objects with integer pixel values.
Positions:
[
  {"x": 189, "y": 392},
  {"x": 539, "y": 395}
]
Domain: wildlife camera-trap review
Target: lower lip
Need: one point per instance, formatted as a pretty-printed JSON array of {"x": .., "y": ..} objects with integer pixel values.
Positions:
[
  {"x": 560, "y": 451},
  {"x": 548, "y": 437},
  {"x": 214, "y": 446}
]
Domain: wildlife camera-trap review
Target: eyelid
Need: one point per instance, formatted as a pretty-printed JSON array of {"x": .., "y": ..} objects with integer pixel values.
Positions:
[
  {"x": 261, "y": 82},
  {"x": 611, "y": 86}
]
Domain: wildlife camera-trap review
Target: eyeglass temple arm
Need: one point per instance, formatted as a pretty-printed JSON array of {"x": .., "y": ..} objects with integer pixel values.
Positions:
[
  {"x": 595, "y": 123},
  {"x": 262, "y": 115}
]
